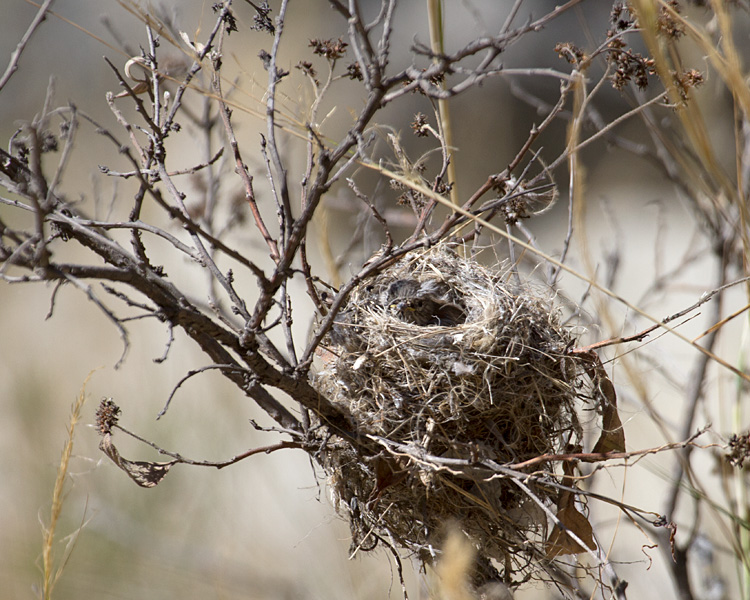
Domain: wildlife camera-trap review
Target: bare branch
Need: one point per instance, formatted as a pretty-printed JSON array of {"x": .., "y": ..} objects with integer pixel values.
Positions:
[{"x": 15, "y": 56}]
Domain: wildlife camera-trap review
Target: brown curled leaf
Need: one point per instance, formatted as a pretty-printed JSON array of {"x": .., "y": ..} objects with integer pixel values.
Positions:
[
  {"x": 146, "y": 474},
  {"x": 560, "y": 541},
  {"x": 612, "y": 438},
  {"x": 570, "y": 521}
]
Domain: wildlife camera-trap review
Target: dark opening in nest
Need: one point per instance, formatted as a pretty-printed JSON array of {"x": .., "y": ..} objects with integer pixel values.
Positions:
[{"x": 448, "y": 368}]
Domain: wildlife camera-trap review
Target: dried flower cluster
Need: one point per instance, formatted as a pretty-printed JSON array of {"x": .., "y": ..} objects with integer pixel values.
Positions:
[
  {"x": 330, "y": 49},
  {"x": 739, "y": 449},
  {"x": 629, "y": 65},
  {"x": 107, "y": 415}
]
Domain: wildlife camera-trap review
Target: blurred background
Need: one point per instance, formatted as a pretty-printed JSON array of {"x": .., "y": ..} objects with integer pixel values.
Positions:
[{"x": 265, "y": 527}]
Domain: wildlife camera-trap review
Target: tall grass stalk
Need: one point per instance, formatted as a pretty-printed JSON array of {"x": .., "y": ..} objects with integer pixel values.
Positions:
[{"x": 51, "y": 572}]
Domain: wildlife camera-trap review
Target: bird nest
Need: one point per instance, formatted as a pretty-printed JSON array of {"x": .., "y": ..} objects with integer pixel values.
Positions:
[{"x": 453, "y": 376}]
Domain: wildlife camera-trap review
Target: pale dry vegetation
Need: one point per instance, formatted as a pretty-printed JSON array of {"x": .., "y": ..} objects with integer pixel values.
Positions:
[{"x": 422, "y": 306}]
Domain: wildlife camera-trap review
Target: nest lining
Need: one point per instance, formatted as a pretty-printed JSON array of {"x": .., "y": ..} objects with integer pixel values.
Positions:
[{"x": 439, "y": 356}]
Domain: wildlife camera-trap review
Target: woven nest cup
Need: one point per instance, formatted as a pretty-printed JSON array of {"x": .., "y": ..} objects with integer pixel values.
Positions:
[{"x": 449, "y": 371}]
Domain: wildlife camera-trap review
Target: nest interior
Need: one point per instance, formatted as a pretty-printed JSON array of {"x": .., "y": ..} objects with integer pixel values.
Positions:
[{"x": 446, "y": 368}]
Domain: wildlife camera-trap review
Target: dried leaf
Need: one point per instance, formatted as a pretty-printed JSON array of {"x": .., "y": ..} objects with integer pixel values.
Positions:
[
  {"x": 145, "y": 474},
  {"x": 612, "y": 438},
  {"x": 613, "y": 435},
  {"x": 662, "y": 522},
  {"x": 560, "y": 541},
  {"x": 570, "y": 519},
  {"x": 387, "y": 474}
]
